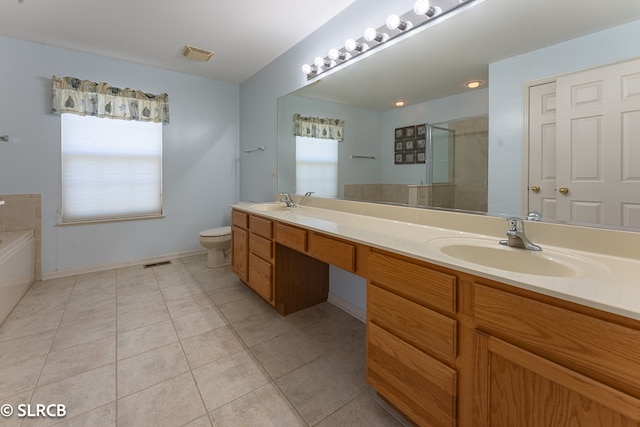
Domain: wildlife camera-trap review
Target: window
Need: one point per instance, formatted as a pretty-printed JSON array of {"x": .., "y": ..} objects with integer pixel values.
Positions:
[
  {"x": 317, "y": 166},
  {"x": 111, "y": 169}
]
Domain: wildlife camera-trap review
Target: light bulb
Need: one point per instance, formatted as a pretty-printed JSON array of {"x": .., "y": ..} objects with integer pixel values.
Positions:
[
  {"x": 335, "y": 54},
  {"x": 307, "y": 69},
  {"x": 351, "y": 45},
  {"x": 370, "y": 34},
  {"x": 422, "y": 7},
  {"x": 319, "y": 62},
  {"x": 394, "y": 22}
]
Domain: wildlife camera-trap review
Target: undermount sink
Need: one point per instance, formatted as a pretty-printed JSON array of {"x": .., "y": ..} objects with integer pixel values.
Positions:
[
  {"x": 490, "y": 253},
  {"x": 270, "y": 207}
]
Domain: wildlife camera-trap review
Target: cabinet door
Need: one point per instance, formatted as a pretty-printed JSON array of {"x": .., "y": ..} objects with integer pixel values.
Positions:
[
  {"x": 240, "y": 252},
  {"x": 518, "y": 388}
]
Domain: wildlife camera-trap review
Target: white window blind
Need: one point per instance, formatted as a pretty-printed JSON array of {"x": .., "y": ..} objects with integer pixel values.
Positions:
[
  {"x": 111, "y": 169},
  {"x": 317, "y": 166}
]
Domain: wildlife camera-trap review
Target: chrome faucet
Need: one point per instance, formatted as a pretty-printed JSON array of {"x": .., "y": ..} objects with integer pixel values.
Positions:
[
  {"x": 516, "y": 237},
  {"x": 286, "y": 197}
]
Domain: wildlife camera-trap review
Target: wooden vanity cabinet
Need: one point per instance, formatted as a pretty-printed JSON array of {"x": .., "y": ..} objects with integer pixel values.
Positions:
[
  {"x": 270, "y": 257},
  {"x": 240, "y": 244},
  {"x": 542, "y": 364},
  {"x": 412, "y": 338}
]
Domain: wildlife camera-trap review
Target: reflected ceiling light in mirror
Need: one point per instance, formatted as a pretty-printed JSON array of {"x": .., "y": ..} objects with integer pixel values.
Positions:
[
  {"x": 371, "y": 35},
  {"x": 423, "y": 7},
  {"x": 473, "y": 84},
  {"x": 352, "y": 45},
  {"x": 399, "y": 103},
  {"x": 395, "y": 23}
]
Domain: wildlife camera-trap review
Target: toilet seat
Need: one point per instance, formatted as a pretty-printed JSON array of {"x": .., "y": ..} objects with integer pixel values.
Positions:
[{"x": 216, "y": 232}]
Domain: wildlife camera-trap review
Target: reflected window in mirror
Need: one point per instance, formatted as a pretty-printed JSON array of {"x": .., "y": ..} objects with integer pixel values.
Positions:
[{"x": 317, "y": 166}]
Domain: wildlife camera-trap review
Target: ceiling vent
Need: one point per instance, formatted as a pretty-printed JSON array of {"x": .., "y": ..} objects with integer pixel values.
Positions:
[{"x": 196, "y": 54}]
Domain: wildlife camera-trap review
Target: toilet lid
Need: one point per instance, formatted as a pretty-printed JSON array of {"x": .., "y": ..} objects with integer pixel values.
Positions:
[{"x": 216, "y": 232}]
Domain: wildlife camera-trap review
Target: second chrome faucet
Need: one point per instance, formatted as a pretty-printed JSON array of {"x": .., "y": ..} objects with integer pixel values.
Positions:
[{"x": 516, "y": 237}]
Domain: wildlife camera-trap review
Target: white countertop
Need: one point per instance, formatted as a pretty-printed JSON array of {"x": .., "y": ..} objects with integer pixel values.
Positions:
[{"x": 605, "y": 281}]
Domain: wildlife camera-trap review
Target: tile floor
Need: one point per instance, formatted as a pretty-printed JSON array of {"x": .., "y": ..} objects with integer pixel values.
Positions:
[{"x": 182, "y": 345}]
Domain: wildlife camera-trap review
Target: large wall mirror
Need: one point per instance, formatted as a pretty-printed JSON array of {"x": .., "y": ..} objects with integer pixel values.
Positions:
[{"x": 476, "y": 156}]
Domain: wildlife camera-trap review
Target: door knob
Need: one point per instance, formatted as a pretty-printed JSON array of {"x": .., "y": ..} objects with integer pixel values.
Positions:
[
  {"x": 563, "y": 190},
  {"x": 535, "y": 188}
]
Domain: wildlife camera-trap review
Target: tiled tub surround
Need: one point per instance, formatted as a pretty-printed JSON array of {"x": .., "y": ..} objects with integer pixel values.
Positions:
[
  {"x": 406, "y": 231},
  {"x": 17, "y": 250},
  {"x": 24, "y": 212},
  {"x": 178, "y": 345}
]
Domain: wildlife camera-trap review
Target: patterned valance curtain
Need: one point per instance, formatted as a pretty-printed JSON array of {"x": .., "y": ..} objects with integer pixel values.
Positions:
[
  {"x": 316, "y": 127},
  {"x": 86, "y": 98}
]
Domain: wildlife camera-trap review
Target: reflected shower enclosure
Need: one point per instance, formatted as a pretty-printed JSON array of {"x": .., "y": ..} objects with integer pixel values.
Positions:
[{"x": 454, "y": 174}]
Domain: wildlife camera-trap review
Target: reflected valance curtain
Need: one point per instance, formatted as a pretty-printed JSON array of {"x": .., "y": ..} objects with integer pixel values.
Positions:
[
  {"x": 319, "y": 128},
  {"x": 86, "y": 98}
]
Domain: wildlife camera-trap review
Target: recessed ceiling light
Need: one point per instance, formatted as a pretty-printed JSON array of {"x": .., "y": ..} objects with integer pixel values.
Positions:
[
  {"x": 196, "y": 53},
  {"x": 399, "y": 103},
  {"x": 473, "y": 84}
]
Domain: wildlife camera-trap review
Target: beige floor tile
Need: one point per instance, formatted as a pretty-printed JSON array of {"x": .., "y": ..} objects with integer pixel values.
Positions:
[
  {"x": 362, "y": 411},
  {"x": 284, "y": 353},
  {"x": 226, "y": 379},
  {"x": 174, "y": 402},
  {"x": 20, "y": 377},
  {"x": 24, "y": 348},
  {"x": 332, "y": 334},
  {"x": 189, "y": 304},
  {"x": 130, "y": 301},
  {"x": 85, "y": 313},
  {"x": 149, "y": 368},
  {"x": 228, "y": 294},
  {"x": 198, "y": 322},
  {"x": 181, "y": 290},
  {"x": 174, "y": 278},
  {"x": 309, "y": 316},
  {"x": 261, "y": 327},
  {"x": 351, "y": 360},
  {"x": 80, "y": 393},
  {"x": 104, "y": 416},
  {"x": 146, "y": 338},
  {"x": 317, "y": 389},
  {"x": 265, "y": 406},
  {"x": 212, "y": 345},
  {"x": 203, "y": 421},
  {"x": 83, "y": 332},
  {"x": 74, "y": 360},
  {"x": 137, "y": 286},
  {"x": 20, "y": 325},
  {"x": 19, "y": 399},
  {"x": 244, "y": 308},
  {"x": 134, "y": 316}
]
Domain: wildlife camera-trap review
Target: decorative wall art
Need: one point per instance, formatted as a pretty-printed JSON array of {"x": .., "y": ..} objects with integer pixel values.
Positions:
[{"x": 409, "y": 146}]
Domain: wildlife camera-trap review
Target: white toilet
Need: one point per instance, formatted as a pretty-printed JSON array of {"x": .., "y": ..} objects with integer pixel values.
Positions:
[{"x": 218, "y": 242}]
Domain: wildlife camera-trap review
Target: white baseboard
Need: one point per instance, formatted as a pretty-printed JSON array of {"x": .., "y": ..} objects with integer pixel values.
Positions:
[
  {"x": 350, "y": 308},
  {"x": 121, "y": 264}
]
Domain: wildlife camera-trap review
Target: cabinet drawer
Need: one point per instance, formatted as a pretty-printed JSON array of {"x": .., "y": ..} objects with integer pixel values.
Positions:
[
  {"x": 416, "y": 282},
  {"x": 261, "y": 227},
  {"x": 431, "y": 332},
  {"x": 240, "y": 219},
  {"x": 292, "y": 237},
  {"x": 332, "y": 251},
  {"x": 261, "y": 277},
  {"x": 261, "y": 247},
  {"x": 417, "y": 384},
  {"x": 600, "y": 349}
]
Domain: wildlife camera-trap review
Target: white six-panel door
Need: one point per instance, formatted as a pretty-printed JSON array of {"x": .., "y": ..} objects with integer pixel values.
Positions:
[{"x": 595, "y": 173}]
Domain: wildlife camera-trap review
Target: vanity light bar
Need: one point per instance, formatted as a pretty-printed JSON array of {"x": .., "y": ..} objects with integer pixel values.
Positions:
[{"x": 423, "y": 12}]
